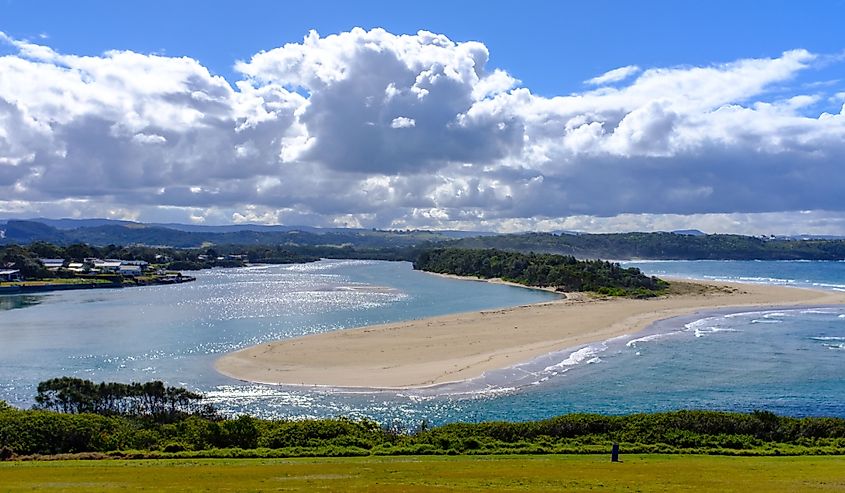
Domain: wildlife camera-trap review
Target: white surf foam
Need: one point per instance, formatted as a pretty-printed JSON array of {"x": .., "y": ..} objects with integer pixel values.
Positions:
[
  {"x": 815, "y": 311},
  {"x": 703, "y": 331},
  {"x": 836, "y": 287},
  {"x": 653, "y": 337},
  {"x": 766, "y": 280},
  {"x": 776, "y": 314},
  {"x": 588, "y": 354}
]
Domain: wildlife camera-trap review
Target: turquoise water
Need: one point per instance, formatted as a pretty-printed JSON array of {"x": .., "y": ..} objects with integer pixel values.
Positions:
[
  {"x": 787, "y": 361},
  {"x": 174, "y": 333},
  {"x": 812, "y": 274}
]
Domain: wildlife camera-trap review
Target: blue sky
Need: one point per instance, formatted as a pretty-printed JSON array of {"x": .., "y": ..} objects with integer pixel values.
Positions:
[
  {"x": 726, "y": 116},
  {"x": 579, "y": 39}
]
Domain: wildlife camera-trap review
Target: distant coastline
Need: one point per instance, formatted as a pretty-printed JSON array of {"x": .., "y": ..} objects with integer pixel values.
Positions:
[
  {"x": 497, "y": 280},
  {"x": 44, "y": 288},
  {"x": 29, "y": 288}
]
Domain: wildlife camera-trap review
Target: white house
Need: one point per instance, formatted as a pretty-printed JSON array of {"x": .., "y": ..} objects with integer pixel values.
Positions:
[
  {"x": 10, "y": 275},
  {"x": 141, "y": 264},
  {"x": 52, "y": 263},
  {"x": 108, "y": 265},
  {"x": 130, "y": 270}
]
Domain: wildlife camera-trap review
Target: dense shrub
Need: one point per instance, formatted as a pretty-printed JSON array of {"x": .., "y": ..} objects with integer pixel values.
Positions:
[
  {"x": 44, "y": 432},
  {"x": 310, "y": 433},
  {"x": 27, "y": 432}
]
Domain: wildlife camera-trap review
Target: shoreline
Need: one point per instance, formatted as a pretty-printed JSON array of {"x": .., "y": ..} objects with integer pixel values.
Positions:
[
  {"x": 22, "y": 288},
  {"x": 448, "y": 349},
  {"x": 499, "y": 280}
]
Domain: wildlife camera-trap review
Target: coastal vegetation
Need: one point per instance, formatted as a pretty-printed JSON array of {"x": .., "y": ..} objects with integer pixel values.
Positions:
[
  {"x": 151, "y": 400},
  {"x": 154, "y": 421},
  {"x": 563, "y": 272}
]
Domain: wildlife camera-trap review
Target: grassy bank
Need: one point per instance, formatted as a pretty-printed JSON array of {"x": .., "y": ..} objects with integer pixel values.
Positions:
[
  {"x": 90, "y": 282},
  {"x": 418, "y": 474}
]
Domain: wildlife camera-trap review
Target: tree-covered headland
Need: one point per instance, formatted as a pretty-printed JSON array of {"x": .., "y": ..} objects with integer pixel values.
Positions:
[
  {"x": 562, "y": 272},
  {"x": 664, "y": 246}
]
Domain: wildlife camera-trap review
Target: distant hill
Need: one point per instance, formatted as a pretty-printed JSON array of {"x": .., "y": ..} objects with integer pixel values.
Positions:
[
  {"x": 811, "y": 237},
  {"x": 29, "y": 231},
  {"x": 68, "y": 223},
  {"x": 680, "y": 245},
  {"x": 668, "y": 246},
  {"x": 690, "y": 232},
  {"x": 104, "y": 232},
  {"x": 230, "y": 228}
]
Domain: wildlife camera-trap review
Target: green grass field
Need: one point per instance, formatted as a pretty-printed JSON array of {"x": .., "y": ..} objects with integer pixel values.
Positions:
[{"x": 643, "y": 473}]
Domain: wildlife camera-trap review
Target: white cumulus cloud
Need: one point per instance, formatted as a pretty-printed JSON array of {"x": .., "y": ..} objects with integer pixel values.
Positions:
[
  {"x": 403, "y": 122},
  {"x": 376, "y": 129},
  {"x": 614, "y": 75}
]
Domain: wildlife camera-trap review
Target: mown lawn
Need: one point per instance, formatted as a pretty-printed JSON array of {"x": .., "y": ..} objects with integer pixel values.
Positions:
[{"x": 643, "y": 473}]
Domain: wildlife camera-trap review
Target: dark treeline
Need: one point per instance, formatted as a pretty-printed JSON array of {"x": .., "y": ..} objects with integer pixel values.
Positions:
[
  {"x": 270, "y": 253},
  {"x": 24, "y": 232},
  {"x": 669, "y": 246},
  {"x": 25, "y": 257},
  {"x": 119, "y": 430},
  {"x": 545, "y": 270},
  {"x": 151, "y": 400},
  {"x": 612, "y": 246}
]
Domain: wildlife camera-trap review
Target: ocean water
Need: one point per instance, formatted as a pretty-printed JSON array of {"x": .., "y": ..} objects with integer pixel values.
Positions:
[
  {"x": 789, "y": 361},
  {"x": 801, "y": 273}
]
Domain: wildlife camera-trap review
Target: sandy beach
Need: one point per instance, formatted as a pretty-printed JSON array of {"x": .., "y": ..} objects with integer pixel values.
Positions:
[{"x": 438, "y": 350}]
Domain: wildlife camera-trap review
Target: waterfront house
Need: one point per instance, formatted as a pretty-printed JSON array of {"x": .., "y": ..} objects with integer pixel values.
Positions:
[
  {"x": 52, "y": 264},
  {"x": 77, "y": 267},
  {"x": 10, "y": 275},
  {"x": 108, "y": 265},
  {"x": 130, "y": 270},
  {"x": 141, "y": 264}
]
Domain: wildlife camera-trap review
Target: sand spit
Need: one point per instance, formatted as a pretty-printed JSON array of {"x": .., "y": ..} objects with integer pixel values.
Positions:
[{"x": 438, "y": 350}]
